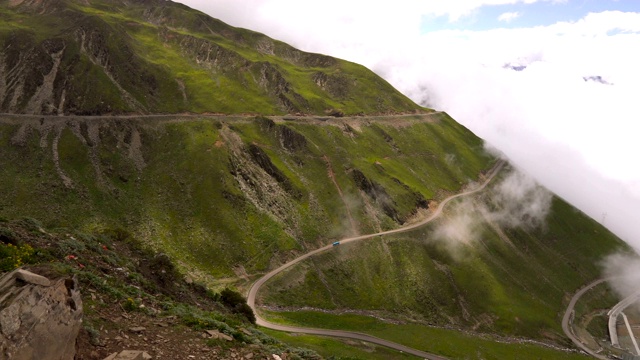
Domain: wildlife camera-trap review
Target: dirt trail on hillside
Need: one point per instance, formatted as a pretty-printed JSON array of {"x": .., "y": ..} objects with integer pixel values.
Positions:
[
  {"x": 398, "y": 120},
  {"x": 332, "y": 176},
  {"x": 253, "y": 291}
]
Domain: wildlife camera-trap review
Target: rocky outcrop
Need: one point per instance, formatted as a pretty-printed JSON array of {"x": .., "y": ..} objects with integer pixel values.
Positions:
[
  {"x": 271, "y": 79},
  {"x": 129, "y": 355},
  {"x": 37, "y": 6},
  {"x": 377, "y": 193},
  {"x": 262, "y": 183},
  {"x": 288, "y": 138},
  {"x": 206, "y": 53},
  {"x": 27, "y": 74},
  {"x": 337, "y": 86},
  {"x": 118, "y": 61},
  {"x": 261, "y": 158},
  {"x": 39, "y": 318},
  {"x": 219, "y": 60},
  {"x": 291, "y": 139}
]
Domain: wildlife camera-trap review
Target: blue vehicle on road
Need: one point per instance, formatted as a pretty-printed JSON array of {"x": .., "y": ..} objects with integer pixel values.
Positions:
[{"x": 336, "y": 243}]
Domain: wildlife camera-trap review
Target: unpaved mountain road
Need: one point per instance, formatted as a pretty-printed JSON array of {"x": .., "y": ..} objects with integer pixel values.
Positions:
[
  {"x": 566, "y": 320},
  {"x": 4, "y": 117},
  {"x": 613, "y": 318},
  {"x": 251, "y": 298}
]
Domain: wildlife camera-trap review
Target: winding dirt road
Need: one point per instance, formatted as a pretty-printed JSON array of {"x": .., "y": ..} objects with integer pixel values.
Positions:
[
  {"x": 613, "y": 318},
  {"x": 566, "y": 320},
  {"x": 251, "y": 298},
  {"x": 321, "y": 118}
]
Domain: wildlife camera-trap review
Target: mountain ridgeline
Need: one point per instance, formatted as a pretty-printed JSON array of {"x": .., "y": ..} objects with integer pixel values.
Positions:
[{"x": 157, "y": 56}]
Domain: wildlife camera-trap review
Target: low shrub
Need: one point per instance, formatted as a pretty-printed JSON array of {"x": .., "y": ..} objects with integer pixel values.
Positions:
[
  {"x": 14, "y": 256},
  {"x": 7, "y": 236},
  {"x": 237, "y": 303},
  {"x": 131, "y": 305},
  {"x": 71, "y": 246},
  {"x": 231, "y": 298},
  {"x": 31, "y": 224}
]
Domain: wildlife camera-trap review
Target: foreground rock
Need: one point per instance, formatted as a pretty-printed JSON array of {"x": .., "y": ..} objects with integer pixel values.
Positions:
[
  {"x": 215, "y": 334},
  {"x": 39, "y": 318},
  {"x": 129, "y": 355}
]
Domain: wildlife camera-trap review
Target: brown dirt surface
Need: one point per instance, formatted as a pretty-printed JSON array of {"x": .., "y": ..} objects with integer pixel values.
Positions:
[
  {"x": 110, "y": 266},
  {"x": 162, "y": 338}
]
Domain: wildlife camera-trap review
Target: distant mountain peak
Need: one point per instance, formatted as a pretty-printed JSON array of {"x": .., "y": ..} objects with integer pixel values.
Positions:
[
  {"x": 514, "y": 67},
  {"x": 597, "y": 79}
]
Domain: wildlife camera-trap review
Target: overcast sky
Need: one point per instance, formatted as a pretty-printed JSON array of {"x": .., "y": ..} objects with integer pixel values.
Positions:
[{"x": 555, "y": 85}]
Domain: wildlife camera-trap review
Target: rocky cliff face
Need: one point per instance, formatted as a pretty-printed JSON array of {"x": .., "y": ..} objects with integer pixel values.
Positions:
[{"x": 39, "y": 318}]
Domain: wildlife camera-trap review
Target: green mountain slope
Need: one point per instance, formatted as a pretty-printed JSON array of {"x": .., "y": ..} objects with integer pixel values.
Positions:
[
  {"x": 98, "y": 57},
  {"x": 123, "y": 285},
  {"x": 228, "y": 195},
  {"x": 510, "y": 282}
]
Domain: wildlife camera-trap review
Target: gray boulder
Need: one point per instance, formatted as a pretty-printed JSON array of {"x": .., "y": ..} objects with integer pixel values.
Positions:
[
  {"x": 39, "y": 318},
  {"x": 129, "y": 355}
]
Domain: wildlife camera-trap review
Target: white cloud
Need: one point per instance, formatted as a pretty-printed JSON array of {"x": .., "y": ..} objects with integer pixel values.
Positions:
[
  {"x": 623, "y": 271},
  {"x": 578, "y": 138},
  {"x": 509, "y": 16},
  {"x": 517, "y": 202},
  {"x": 257, "y": 13}
]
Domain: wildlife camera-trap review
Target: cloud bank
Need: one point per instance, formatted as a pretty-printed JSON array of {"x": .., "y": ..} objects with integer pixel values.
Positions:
[
  {"x": 575, "y": 136},
  {"x": 516, "y": 202},
  {"x": 509, "y": 16},
  {"x": 623, "y": 271}
]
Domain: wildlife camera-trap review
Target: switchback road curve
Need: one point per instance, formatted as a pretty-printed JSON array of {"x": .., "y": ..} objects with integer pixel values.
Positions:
[
  {"x": 251, "y": 298},
  {"x": 567, "y": 319}
]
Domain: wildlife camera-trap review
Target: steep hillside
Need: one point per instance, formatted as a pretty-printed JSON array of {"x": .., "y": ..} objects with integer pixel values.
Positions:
[
  {"x": 133, "y": 298},
  {"x": 160, "y": 130},
  {"x": 486, "y": 273},
  {"x": 156, "y": 56},
  {"x": 233, "y": 196},
  {"x": 230, "y": 197}
]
